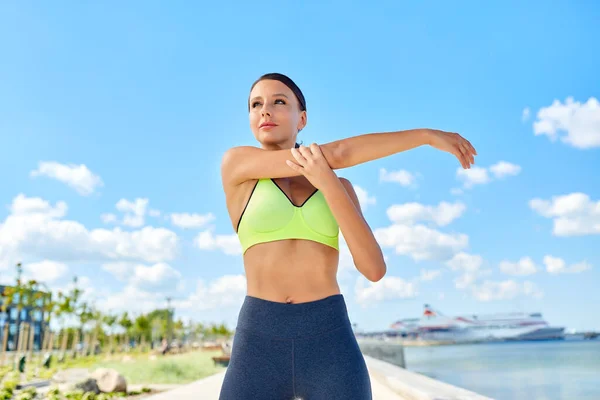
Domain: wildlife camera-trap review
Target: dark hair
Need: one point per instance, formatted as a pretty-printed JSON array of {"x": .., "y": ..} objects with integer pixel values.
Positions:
[{"x": 287, "y": 82}]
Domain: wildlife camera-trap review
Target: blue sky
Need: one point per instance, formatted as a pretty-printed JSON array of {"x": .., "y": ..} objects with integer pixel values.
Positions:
[{"x": 114, "y": 118}]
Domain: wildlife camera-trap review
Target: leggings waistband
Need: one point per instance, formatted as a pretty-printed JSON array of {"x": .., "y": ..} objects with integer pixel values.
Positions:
[{"x": 288, "y": 321}]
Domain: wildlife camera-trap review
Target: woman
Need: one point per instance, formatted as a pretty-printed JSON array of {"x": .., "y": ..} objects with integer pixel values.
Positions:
[{"x": 293, "y": 337}]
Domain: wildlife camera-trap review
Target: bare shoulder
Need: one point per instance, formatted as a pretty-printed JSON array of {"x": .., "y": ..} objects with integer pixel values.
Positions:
[{"x": 243, "y": 163}]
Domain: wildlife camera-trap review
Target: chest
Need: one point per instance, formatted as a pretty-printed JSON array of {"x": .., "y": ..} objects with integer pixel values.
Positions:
[{"x": 271, "y": 209}]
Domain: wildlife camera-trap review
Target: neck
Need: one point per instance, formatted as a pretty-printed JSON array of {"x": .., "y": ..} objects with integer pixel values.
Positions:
[{"x": 279, "y": 146}]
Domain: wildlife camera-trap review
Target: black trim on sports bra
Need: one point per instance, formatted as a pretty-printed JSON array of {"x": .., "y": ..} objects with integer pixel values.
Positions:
[
  {"x": 290, "y": 200},
  {"x": 237, "y": 228}
]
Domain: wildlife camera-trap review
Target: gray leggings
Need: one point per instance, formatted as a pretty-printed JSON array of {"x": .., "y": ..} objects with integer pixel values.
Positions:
[{"x": 302, "y": 351}]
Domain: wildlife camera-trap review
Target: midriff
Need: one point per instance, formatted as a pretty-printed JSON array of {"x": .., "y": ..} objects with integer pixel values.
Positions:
[{"x": 291, "y": 271}]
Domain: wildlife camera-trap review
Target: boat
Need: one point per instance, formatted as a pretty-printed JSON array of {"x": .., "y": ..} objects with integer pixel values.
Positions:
[{"x": 435, "y": 326}]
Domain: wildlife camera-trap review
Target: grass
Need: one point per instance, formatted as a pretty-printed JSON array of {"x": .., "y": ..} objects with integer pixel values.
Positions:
[
  {"x": 179, "y": 368},
  {"x": 170, "y": 369}
]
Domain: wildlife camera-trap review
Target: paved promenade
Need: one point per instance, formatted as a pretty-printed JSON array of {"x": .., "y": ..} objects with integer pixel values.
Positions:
[{"x": 209, "y": 388}]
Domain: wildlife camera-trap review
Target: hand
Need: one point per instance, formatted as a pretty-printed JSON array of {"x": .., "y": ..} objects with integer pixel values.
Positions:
[
  {"x": 455, "y": 144},
  {"x": 313, "y": 165}
]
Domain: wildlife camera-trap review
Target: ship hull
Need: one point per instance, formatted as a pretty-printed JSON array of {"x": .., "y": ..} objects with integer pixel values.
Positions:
[{"x": 434, "y": 326}]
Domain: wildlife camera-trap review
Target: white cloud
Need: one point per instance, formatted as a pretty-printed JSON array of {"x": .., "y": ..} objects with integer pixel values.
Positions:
[
  {"x": 465, "y": 262},
  {"x": 429, "y": 274},
  {"x": 158, "y": 277},
  {"x": 421, "y": 242},
  {"x": 402, "y": 177},
  {"x": 135, "y": 211},
  {"x": 573, "y": 214},
  {"x": 555, "y": 265},
  {"x": 473, "y": 176},
  {"x": 480, "y": 175},
  {"x": 45, "y": 271},
  {"x": 388, "y": 288},
  {"x": 346, "y": 262},
  {"x": 456, "y": 191},
  {"x": 505, "y": 290},
  {"x": 229, "y": 244},
  {"x": 154, "y": 213},
  {"x": 525, "y": 115},
  {"x": 108, "y": 218},
  {"x": 121, "y": 270},
  {"x": 186, "y": 220},
  {"x": 36, "y": 230},
  {"x": 503, "y": 169},
  {"x": 579, "y": 123},
  {"x": 78, "y": 177},
  {"x": 525, "y": 266},
  {"x": 227, "y": 291},
  {"x": 363, "y": 197},
  {"x": 409, "y": 213},
  {"x": 30, "y": 206},
  {"x": 469, "y": 267},
  {"x": 133, "y": 300}
]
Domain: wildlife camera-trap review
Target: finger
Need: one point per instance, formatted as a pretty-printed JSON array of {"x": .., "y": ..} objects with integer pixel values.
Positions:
[
  {"x": 469, "y": 147},
  {"x": 299, "y": 157},
  {"x": 294, "y": 166},
  {"x": 316, "y": 150},
  {"x": 305, "y": 152},
  {"x": 472, "y": 148},
  {"x": 467, "y": 152},
  {"x": 461, "y": 157}
]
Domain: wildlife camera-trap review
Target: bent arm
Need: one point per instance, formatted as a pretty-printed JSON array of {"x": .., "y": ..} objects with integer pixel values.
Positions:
[
  {"x": 345, "y": 207},
  {"x": 243, "y": 163}
]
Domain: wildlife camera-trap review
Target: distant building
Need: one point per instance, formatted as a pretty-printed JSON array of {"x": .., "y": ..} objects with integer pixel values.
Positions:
[{"x": 31, "y": 312}]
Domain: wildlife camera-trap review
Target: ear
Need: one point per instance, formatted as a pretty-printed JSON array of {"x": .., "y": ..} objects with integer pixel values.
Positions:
[{"x": 303, "y": 120}]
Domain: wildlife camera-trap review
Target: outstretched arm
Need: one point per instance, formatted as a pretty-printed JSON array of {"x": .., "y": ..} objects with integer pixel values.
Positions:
[
  {"x": 359, "y": 149},
  {"x": 240, "y": 164}
]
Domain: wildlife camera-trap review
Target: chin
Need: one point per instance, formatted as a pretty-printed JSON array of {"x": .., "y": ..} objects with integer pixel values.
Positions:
[{"x": 270, "y": 138}]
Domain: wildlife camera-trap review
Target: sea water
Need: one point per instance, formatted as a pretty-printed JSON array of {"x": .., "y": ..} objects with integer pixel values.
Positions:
[{"x": 547, "y": 370}]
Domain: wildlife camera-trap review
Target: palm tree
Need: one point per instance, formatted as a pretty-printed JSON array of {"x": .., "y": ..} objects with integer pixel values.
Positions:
[
  {"x": 126, "y": 324},
  {"x": 64, "y": 309},
  {"x": 110, "y": 320},
  {"x": 6, "y": 300}
]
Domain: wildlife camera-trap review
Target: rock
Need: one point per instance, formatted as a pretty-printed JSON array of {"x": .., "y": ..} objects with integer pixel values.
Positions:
[
  {"x": 109, "y": 380},
  {"x": 89, "y": 385}
]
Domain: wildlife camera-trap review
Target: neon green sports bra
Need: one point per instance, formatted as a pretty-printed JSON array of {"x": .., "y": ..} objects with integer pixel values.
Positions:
[{"x": 270, "y": 215}]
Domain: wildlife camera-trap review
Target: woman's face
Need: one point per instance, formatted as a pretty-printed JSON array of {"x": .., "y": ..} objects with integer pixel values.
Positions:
[{"x": 274, "y": 104}]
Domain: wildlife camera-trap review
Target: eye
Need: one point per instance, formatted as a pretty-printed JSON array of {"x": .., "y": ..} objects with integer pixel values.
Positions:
[{"x": 253, "y": 105}]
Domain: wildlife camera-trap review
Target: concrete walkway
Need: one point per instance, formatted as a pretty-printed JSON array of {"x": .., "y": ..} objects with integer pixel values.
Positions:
[{"x": 209, "y": 388}]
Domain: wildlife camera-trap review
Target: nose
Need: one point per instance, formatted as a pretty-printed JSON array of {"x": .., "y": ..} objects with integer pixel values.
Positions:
[{"x": 265, "y": 111}]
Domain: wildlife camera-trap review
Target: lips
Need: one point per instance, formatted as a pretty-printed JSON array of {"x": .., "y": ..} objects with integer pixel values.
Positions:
[{"x": 267, "y": 124}]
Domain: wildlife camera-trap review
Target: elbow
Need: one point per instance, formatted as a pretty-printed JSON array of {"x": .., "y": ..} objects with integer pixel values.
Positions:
[
  {"x": 375, "y": 272},
  {"x": 372, "y": 266},
  {"x": 337, "y": 155},
  {"x": 378, "y": 274}
]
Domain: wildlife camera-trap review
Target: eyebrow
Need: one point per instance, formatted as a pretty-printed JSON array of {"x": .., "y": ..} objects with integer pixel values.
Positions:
[{"x": 275, "y": 95}]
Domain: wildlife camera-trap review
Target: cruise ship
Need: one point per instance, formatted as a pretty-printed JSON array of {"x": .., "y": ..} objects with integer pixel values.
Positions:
[{"x": 473, "y": 328}]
